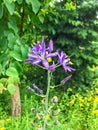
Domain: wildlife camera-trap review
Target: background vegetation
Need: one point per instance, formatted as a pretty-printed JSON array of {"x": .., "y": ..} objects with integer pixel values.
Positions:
[{"x": 73, "y": 26}]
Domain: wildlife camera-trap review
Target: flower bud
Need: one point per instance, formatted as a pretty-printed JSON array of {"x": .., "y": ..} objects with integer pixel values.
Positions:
[{"x": 54, "y": 99}]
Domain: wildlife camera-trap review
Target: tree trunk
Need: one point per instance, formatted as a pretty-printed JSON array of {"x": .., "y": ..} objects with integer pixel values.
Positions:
[{"x": 16, "y": 103}]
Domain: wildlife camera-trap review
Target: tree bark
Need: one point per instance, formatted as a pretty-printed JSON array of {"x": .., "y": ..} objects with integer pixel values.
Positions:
[{"x": 16, "y": 103}]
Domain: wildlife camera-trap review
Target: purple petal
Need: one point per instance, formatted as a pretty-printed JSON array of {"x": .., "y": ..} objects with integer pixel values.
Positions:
[
  {"x": 68, "y": 68},
  {"x": 50, "y": 46},
  {"x": 52, "y": 67},
  {"x": 38, "y": 47},
  {"x": 35, "y": 62},
  {"x": 28, "y": 60},
  {"x": 33, "y": 55},
  {"x": 51, "y": 55},
  {"x": 61, "y": 57},
  {"x": 43, "y": 47},
  {"x": 65, "y": 79},
  {"x": 38, "y": 89},
  {"x": 33, "y": 50},
  {"x": 45, "y": 64}
]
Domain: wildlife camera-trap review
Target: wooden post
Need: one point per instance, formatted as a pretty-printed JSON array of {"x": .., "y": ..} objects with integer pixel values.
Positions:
[{"x": 16, "y": 102}]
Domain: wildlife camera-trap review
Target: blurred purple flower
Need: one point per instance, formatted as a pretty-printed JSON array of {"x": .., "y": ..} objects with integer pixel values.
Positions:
[
  {"x": 30, "y": 89},
  {"x": 41, "y": 53},
  {"x": 50, "y": 48},
  {"x": 38, "y": 89},
  {"x": 52, "y": 67},
  {"x": 64, "y": 60},
  {"x": 65, "y": 79}
]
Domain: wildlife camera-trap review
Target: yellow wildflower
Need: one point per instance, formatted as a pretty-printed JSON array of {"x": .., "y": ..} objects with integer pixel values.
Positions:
[
  {"x": 81, "y": 99},
  {"x": 81, "y": 105},
  {"x": 90, "y": 98},
  {"x": 71, "y": 102},
  {"x": 77, "y": 94},
  {"x": 95, "y": 112},
  {"x": 96, "y": 89},
  {"x": 95, "y": 103},
  {"x": 2, "y": 128}
]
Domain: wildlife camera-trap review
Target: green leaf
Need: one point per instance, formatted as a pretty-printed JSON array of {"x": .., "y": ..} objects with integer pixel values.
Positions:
[
  {"x": 0, "y": 69},
  {"x": 1, "y": 86},
  {"x": 27, "y": 1},
  {"x": 16, "y": 54},
  {"x": 12, "y": 72},
  {"x": 35, "y": 5},
  {"x": 19, "y": 1},
  {"x": 3, "y": 80},
  {"x": 1, "y": 11},
  {"x": 11, "y": 88},
  {"x": 35, "y": 19},
  {"x": 3, "y": 44},
  {"x": 41, "y": 18},
  {"x": 70, "y": 6},
  {"x": 10, "y": 6},
  {"x": 18, "y": 66},
  {"x": 13, "y": 25},
  {"x": 11, "y": 39},
  {"x": 24, "y": 51},
  {"x": 13, "y": 80}
]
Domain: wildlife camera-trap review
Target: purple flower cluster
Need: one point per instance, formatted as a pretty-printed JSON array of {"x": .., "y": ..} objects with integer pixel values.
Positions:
[{"x": 43, "y": 56}]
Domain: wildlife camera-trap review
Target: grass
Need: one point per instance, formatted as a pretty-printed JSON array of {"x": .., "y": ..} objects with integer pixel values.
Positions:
[{"x": 73, "y": 111}]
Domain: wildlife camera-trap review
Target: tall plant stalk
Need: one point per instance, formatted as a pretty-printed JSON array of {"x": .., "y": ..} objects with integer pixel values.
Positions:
[
  {"x": 43, "y": 55},
  {"x": 47, "y": 97}
]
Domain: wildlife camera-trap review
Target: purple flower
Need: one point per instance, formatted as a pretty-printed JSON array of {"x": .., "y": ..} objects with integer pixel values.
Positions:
[
  {"x": 38, "y": 89},
  {"x": 52, "y": 67},
  {"x": 50, "y": 48},
  {"x": 36, "y": 49},
  {"x": 41, "y": 53},
  {"x": 43, "y": 48},
  {"x": 65, "y": 79},
  {"x": 62, "y": 59}
]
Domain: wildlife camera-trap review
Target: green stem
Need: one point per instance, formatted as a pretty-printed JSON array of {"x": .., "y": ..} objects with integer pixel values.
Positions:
[{"x": 47, "y": 96}]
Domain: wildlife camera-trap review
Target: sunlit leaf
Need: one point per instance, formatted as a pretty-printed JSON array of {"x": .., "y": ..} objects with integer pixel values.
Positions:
[
  {"x": 1, "y": 11},
  {"x": 11, "y": 88},
  {"x": 35, "y": 5},
  {"x": 10, "y": 6},
  {"x": 12, "y": 72}
]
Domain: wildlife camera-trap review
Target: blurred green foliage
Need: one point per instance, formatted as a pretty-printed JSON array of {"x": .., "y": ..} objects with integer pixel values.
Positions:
[{"x": 73, "y": 26}]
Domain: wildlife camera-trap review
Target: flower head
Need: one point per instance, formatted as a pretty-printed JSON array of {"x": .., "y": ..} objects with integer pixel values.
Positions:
[
  {"x": 40, "y": 54},
  {"x": 44, "y": 56},
  {"x": 65, "y": 79},
  {"x": 64, "y": 60}
]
